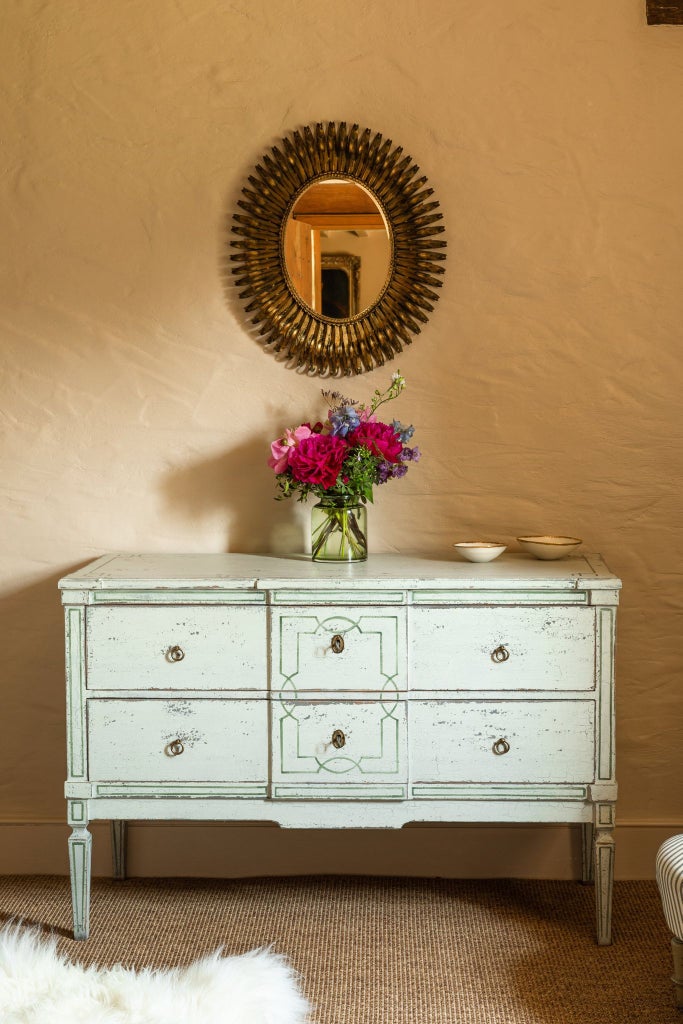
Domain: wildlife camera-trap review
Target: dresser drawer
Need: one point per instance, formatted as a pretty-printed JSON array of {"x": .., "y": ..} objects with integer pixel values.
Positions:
[
  {"x": 518, "y": 648},
  {"x": 503, "y": 741},
  {"x": 214, "y": 740},
  {"x": 339, "y": 748},
  {"x": 338, "y": 649},
  {"x": 176, "y": 648}
]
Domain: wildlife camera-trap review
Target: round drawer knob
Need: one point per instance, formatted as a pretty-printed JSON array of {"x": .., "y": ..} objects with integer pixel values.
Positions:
[
  {"x": 500, "y": 654},
  {"x": 337, "y": 643},
  {"x": 338, "y": 739},
  {"x": 501, "y": 746},
  {"x": 175, "y": 748},
  {"x": 176, "y": 653}
]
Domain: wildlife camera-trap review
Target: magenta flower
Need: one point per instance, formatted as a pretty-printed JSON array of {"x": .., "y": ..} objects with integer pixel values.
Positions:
[
  {"x": 318, "y": 460},
  {"x": 380, "y": 438}
]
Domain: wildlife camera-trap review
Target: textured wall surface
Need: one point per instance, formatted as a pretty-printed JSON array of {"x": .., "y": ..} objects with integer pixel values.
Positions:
[{"x": 546, "y": 390}]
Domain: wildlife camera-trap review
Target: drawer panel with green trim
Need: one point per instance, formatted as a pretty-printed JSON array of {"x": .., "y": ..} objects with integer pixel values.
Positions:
[
  {"x": 338, "y": 649},
  {"x": 341, "y": 749}
]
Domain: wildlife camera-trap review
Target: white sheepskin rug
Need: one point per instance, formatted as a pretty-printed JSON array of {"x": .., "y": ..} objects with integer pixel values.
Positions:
[{"x": 39, "y": 987}]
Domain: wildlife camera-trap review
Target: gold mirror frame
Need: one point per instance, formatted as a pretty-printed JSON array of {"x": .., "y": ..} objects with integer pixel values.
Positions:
[{"x": 288, "y": 326}]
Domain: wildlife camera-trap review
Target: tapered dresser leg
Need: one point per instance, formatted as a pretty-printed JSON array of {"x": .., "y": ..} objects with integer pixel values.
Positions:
[
  {"x": 587, "y": 874},
  {"x": 604, "y": 871},
  {"x": 119, "y": 848},
  {"x": 677, "y": 950},
  {"x": 80, "y": 848}
]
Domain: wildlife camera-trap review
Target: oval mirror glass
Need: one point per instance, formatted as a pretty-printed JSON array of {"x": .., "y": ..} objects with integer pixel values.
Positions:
[{"x": 337, "y": 248}]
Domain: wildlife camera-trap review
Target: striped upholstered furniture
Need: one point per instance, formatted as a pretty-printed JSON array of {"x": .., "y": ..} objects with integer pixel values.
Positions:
[{"x": 670, "y": 881}]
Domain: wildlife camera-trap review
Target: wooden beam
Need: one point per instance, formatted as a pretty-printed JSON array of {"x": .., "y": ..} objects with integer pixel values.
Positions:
[
  {"x": 335, "y": 197},
  {"x": 342, "y": 221},
  {"x": 664, "y": 12}
]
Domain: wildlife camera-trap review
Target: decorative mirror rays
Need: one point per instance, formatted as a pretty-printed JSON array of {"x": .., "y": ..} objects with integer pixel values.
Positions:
[{"x": 289, "y": 326}]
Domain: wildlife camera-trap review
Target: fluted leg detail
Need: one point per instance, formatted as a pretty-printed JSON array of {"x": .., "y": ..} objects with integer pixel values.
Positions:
[
  {"x": 604, "y": 870},
  {"x": 80, "y": 855}
]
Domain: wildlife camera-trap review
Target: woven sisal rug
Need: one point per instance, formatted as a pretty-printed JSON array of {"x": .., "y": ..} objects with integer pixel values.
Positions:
[{"x": 37, "y": 986}]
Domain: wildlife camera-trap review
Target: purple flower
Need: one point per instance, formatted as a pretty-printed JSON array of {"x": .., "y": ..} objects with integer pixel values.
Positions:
[
  {"x": 411, "y": 454},
  {"x": 384, "y": 472},
  {"x": 404, "y": 433},
  {"x": 390, "y": 471},
  {"x": 343, "y": 420}
]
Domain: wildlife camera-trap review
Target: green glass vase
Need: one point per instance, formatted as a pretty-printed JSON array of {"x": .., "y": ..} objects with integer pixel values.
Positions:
[{"x": 339, "y": 530}]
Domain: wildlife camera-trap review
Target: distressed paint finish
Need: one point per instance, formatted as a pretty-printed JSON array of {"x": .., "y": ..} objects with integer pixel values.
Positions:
[
  {"x": 547, "y": 741},
  {"x": 75, "y": 684},
  {"x": 373, "y": 736},
  {"x": 218, "y": 648},
  {"x": 218, "y": 740},
  {"x": 339, "y": 649},
  {"x": 603, "y": 823},
  {"x": 293, "y": 702},
  {"x": 80, "y": 859},
  {"x": 500, "y": 648}
]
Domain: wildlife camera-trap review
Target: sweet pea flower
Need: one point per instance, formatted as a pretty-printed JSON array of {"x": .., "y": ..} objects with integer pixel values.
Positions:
[{"x": 283, "y": 446}]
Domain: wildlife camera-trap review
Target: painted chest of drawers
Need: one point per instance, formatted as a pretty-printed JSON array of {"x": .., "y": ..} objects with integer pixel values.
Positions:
[{"x": 403, "y": 689}]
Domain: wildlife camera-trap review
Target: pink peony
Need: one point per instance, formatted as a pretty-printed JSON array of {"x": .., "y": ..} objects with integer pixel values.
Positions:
[
  {"x": 318, "y": 459},
  {"x": 380, "y": 438},
  {"x": 284, "y": 446}
]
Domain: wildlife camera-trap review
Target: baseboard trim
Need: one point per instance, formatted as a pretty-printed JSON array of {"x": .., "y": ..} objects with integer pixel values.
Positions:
[{"x": 220, "y": 849}]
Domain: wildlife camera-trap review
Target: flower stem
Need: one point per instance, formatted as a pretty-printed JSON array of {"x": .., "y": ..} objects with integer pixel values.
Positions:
[{"x": 350, "y": 544}]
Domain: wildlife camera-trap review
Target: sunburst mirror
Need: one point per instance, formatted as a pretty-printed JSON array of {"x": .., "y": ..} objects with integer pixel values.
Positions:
[{"x": 336, "y": 192}]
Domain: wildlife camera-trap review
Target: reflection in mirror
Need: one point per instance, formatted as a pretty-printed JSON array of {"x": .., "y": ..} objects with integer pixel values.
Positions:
[{"x": 337, "y": 248}]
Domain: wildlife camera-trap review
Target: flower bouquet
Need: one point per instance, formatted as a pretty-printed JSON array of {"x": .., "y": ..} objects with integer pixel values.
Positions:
[{"x": 340, "y": 461}]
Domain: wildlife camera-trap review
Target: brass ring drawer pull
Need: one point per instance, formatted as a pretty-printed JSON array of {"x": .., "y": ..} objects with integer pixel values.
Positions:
[
  {"x": 501, "y": 746},
  {"x": 500, "y": 654},
  {"x": 338, "y": 739},
  {"x": 176, "y": 653},
  {"x": 176, "y": 748},
  {"x": 337, "y": 643}
]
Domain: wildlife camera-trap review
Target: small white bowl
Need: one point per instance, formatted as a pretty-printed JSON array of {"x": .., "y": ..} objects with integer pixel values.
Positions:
[
  {"x": 548, "y": 548},
  {"x": 480, "y": 550}
]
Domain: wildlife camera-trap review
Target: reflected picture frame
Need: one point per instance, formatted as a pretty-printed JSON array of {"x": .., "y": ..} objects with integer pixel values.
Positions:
[{"x": 332, "y": 264}]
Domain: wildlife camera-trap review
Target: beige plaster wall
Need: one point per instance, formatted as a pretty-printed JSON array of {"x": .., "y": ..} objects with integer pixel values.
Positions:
[{"x": 136, "y": 407}]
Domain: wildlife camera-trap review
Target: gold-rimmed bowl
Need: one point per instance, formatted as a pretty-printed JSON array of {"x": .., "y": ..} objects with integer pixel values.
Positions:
[
  {"x": 548, "y": 547},
  {"x": 480, "y": 550}
]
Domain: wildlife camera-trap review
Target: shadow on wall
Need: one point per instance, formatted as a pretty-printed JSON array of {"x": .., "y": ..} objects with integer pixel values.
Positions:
[
  {"x": 238, "y": 295},
  {"x": 240, "y": 484},
  {"x": 226, "y": 270},
  {"x": 33, "y": 749}
]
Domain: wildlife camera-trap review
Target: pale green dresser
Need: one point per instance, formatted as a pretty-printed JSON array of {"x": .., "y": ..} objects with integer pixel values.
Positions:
[{"x": 403, "y": 689}]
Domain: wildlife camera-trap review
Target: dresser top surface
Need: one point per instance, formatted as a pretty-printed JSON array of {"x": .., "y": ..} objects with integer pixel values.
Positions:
[{"x": 273, "y": 572}]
